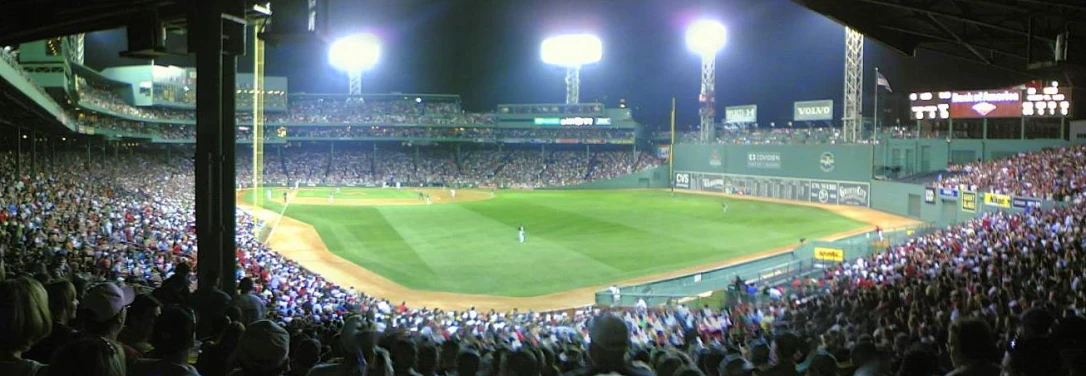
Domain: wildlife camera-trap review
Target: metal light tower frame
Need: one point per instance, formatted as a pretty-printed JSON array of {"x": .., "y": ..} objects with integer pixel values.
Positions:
[
  {"x": 355, "y": 86},
  {"x": 573, "y": 85},
  {"x": 852, "y": 120},
  {"x": 572, "y": 51},
  {"x": 707, "y": 97},
  {"x": 706, "y": 38}
]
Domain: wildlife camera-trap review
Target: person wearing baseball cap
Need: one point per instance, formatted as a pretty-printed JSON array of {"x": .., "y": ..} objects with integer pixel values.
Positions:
[
  {"x": 262, "y": 350},
  {"x": 610, "y": 339},
  {"x": 104, "y": 310}
]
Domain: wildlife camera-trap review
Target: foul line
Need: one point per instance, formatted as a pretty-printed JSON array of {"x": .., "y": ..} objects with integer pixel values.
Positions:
[{"x": 279, "y": 219}]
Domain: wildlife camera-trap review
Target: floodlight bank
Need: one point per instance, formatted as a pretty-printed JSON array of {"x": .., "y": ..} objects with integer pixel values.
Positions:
[{"x": 572, "y": 50}]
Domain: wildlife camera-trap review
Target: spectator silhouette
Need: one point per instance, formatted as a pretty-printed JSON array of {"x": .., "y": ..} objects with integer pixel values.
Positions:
[
  {"x": 24, "y": 320},
  {"x": 140, "y": 323},
  {"x": 262, "y": 351},
  {"x": 610, "y": 339},
  {"x": 972, "y": 349},
  {"x": 62, "y": 305},
  {"x": 173, "y": 338},
  {"x": 89, "y": 356}
]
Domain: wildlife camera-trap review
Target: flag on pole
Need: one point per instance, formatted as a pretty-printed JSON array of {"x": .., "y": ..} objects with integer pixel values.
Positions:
[{"x": 880, "y": 80}]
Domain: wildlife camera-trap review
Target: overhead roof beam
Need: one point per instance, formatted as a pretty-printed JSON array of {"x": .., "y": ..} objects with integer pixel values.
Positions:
[
  {"x": 946, "y": 30},
  {"x": 949, "y": 40},
  {"x": 1056, "y": 4},
  {"x": 956, "y": 17}
]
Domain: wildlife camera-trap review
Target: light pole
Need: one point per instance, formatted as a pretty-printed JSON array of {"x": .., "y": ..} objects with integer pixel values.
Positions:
[
  {"x": 354, "y": 54},
  {"x": 572, "y": 51},
  {"x": 706, "y": 38}
]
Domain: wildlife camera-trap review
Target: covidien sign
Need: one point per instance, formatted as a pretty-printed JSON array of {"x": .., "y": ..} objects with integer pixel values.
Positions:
[{"x": 813, "y": 110}]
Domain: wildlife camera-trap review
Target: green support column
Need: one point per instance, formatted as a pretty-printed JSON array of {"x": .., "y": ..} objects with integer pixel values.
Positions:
[
  {"x": 1063, "y": 123},
  {"x": 1023, "y": 128},
  {"x": 950, "y": 129},
  {"x": 985, "y": 129}
]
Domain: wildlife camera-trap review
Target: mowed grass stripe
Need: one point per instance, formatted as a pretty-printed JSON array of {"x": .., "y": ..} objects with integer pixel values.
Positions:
[
  {"x": 702, "y": 216},
  {"x": 607, "y": 242},
  {"x": 472, "y": 252},
  {"x": 365, "y": 237},
  {"x": 576, "y": 238}
]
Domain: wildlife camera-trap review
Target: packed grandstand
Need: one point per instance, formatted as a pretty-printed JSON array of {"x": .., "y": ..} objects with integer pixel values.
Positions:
[
  {"x": 962, "y": 298},
  {"x": 98, "y": 253}
]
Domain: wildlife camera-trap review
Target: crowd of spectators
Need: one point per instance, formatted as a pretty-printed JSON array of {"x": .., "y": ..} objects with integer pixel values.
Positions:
[
  {"x": 98, "y": 280},
  {"x": 441, "y": 166},
  {"x": 473, "y": 133},
  {"x": 1049, "y": 174}
]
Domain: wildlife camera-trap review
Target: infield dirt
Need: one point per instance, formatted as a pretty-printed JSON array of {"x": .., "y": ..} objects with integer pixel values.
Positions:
[{"x": 299, "y": 241}]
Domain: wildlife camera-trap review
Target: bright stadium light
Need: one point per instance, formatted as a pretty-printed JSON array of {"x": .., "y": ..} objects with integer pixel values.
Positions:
[
  {"x": 355, "y": 54},
  {"x": 706, "y": 38},
  {"x": 571, "y": 52}
]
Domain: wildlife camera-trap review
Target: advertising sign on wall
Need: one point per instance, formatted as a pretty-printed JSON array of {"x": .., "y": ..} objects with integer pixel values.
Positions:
[
  {"x": 817, "y": 191},
  {"x": 969, "y": 202},
  {"x": 852, "y": 194},
  {"x": 997, "y": 200},
  {"x": 1026, "y": 203},
  {"x": 741, "y": 114},
  {"x": 812, "y": 110},
  {"x": 824, "y": 192},
  {"x": 929, "y": 195},
  {"x": 829, "y": 254},
  {"x": 764, "y": 160},
  {"x": 948, "y": 193},
  {"x": 682, "y": 180},
  {"x": 986, "y": 104}
]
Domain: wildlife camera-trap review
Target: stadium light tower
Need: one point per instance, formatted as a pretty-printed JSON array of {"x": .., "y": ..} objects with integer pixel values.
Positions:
[
  {"x": 355, "y": 54},
  {"x": 572, "y": 51},
  {"x": 706, "y": 38}
]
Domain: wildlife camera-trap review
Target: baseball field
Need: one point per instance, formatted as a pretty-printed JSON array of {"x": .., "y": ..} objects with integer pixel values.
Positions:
[{"x": 468, "y": 245}]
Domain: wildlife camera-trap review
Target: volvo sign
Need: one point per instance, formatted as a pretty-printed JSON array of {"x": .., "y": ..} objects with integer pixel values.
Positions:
[{"x": 813, "y": 110}]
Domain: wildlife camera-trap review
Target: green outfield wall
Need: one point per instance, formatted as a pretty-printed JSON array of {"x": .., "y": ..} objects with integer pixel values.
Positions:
[
  {"x": 830, "y": 174},
  {"x": 915, "y": 156},
  {"x": 826, "y": 162}
]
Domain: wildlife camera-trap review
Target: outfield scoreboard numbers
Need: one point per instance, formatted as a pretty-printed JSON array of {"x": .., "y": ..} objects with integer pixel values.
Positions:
[{"x": 816, "y": 191}]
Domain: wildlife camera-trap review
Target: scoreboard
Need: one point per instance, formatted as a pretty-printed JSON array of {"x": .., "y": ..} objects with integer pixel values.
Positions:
[{"x": 1032, "y": 99}]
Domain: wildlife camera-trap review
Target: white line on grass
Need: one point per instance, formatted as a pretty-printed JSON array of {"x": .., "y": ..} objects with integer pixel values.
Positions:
[{"x": 280, "y": 218}]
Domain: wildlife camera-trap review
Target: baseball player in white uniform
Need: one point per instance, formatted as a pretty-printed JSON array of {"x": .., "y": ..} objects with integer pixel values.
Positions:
[{"x": 521, "y": 233}]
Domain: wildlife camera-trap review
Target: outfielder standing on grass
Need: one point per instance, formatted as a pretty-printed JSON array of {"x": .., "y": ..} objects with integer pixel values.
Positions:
[
  {"x": 521, "y": 233},
  {"x": 724, "y": 206}
]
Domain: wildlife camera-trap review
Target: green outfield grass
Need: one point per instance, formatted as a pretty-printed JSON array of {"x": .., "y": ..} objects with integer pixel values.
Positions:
[
  {"x": 358, "y": 193},
  {"x": 575, "y": 238}
]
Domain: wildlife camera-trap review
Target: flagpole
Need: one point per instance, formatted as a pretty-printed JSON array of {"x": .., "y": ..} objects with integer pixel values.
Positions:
[
  {"x": 671, "y": 149},
  {"x": 875, "y": 117}
]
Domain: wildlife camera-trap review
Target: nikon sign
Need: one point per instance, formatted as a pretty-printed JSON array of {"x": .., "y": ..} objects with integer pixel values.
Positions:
[
  {"x": 813, "y": 110},
  {"x": 741, "y": 114}
]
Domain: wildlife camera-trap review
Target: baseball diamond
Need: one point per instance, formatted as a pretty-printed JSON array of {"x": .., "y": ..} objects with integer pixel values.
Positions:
[{"x": 577, "y": 240}]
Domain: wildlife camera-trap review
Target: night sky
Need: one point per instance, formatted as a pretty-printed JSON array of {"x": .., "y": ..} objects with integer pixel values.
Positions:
[{"x": 488, "y": 52}]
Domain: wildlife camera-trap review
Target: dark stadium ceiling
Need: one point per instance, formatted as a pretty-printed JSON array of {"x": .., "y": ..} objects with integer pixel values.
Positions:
[{"x": 1019, "y": 35}]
